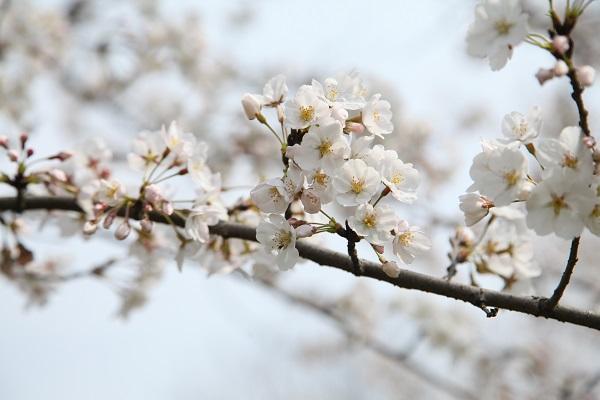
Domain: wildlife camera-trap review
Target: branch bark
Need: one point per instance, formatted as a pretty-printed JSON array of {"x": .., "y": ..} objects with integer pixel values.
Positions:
[{"x": 533, "y": 306}]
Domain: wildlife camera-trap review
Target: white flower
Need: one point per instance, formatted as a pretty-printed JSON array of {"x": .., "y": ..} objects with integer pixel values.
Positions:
[
  {"x": 360, "y": 146},
  {"x": 355, "y": 183},
  {"x": 592, "y": 220},
  {"x": 148, "y": 148},
  {"x": 276, "y": 234},
  {"x": 197, "y": 168},
  {"x": 345, "y": 91},
  {"x": 409, "y": 241},
  {"x": 202, "y": 216},
  {"x": 500, "y": 173},
  {"x": 586, "y": 75},
  {"x": 110, "y": 192},
  {"x": 377, "y": 116},
  {"x": 518, "y": 127},
  {"x": 402, "y": 179},
  {"x": 271, "y": 196},
  {"x": 251, "y": 105},
  {"x": 181, "y": 144},
  {"x": 323, "y": 147},
  {"x": 475, "y": 207},
  {"x": 499, "y": 26},
  {"x": 567, "y": 153},
  {"x": 322, "y": 183},
  {"x": 559, "y": 204},
  {"x": 373, "y": 223},
  {"x": 305, "y": 109},
  {"x": 506, "y": 250},
  {"x": 275, "y": 91}
]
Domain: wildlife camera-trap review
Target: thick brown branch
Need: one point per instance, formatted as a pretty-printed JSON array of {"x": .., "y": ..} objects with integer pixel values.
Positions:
[{"x": 406, "y": 279}]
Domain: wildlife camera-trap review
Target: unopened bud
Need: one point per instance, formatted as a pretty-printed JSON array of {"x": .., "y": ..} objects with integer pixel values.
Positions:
[
  {"x": 355, "y": 127},
  {"x": 544, "y": 75},
  {"x": 89, "y": 228},
  {"x": 251, "y": 105},
  {"x": 13, "y": 155},
  {"x": 153, "y": 194},
  {"x": 391, "y": 269},
  {"x": 4, "y": 142},
  {"x": 560, "y": 44},
  {"x": 123, "y": 231},
  {"x": 311, "y": 201},
  {"x": 108, "y": 220},
  {"x": 561, "y": 68},
  {"x": 29, "y": 152},
  {"x": 146, "y": 225},
  {"x": 304, "y": 231},
  {"x": 589, "y": 141},
  {"x": 23, "y": 138},
  {"x": 586, "y": 75}
]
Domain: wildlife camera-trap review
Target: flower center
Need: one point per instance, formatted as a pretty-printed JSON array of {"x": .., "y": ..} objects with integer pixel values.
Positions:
[
  {"x": 511, "y": 178},
  {"x": 325, "y": 148},
  {"x": 596, "y": 211},
  {"x": 521, "y": 129},
  {"x": 357, "y": 185},
  {"x": 503, "y": 27},
  {"x": 569, "y": 161},
  {"x": 397, "y": 178},
  {"x": 283, "y": 239},
  {"x": 376, "y": 116},
  {"x": 274, "y": 193},
  {"x": 321, "y": 178},
  {"x": 370, "y": 220},
  {"x": 307, "y": 113},
  {"x": 405, "y": 238},
  {"x": 332, "y": 93},
  {"x": 558, "y": 203}
]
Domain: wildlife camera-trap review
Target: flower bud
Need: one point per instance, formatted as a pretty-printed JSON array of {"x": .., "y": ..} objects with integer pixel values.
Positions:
[
  {"x": 13, "y": 155},
  {"x": 108, "y": 220},
  {"x": 251, "y": 106},
  {"x": 355, "y": 127},
  {"x": 560, "y": 44},
  {"x": 23, "y": 138},
  {"x": 544, "y": 75},
  {"x": 311, "y": 201},
  {"x": 4, "y": 142},
  {"x": 340, "y": 114},
  {"x": 589, "y": 141},
  {"x": 560, "y": 68},
  {"x": 123, "y": 231},
  {"x": 153, "y": 194},
  {"x": 146, "y": 225},
  {"x": 586, "y": 75},
  {"x": 167, "y": 207},
  {"x": 391, "y": 269},
  {"x": 89, "y": 228},
  {"x": 304, "y": 231},
  {"x": 29, "y": 152}
]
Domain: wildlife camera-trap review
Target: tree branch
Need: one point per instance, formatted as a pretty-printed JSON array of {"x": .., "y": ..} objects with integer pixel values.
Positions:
[{"x": 406, "y": 279}]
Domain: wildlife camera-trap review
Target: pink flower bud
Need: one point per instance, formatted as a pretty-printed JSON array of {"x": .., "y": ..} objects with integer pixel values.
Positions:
[
  {"x": 89, "y": 228},
  {"x": 123, "y": 231},
  {"x": 167, "y": 207},
  {"x": 560, "y": 44},
  {"x": 560, "y": 68},
  {"x": 4, "y": 142},
  {"x": 146, "y": 225},
  {"x": 304, "y": 231},
  {"x": 109, "y": 219},
  {"x": 355, "y": 127},
  {"x": 589, "y": 141},
  {"x": 29, "y": 152},
  {"x": 391, "y": 269},
  {"x": 251, "y": 106},
  {"x": 13, "y": 155},
  {"x": 153, "y": 194},
  {"x": 586, "y": 75},
  {"x": 311, "y": 201},
  {"x": 23, "y": 139},
  {"x": 544, "y": 75}
]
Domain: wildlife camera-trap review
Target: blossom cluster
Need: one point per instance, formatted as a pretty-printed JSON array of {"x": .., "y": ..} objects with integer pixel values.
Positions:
[{"x": 328, "y": 135}]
